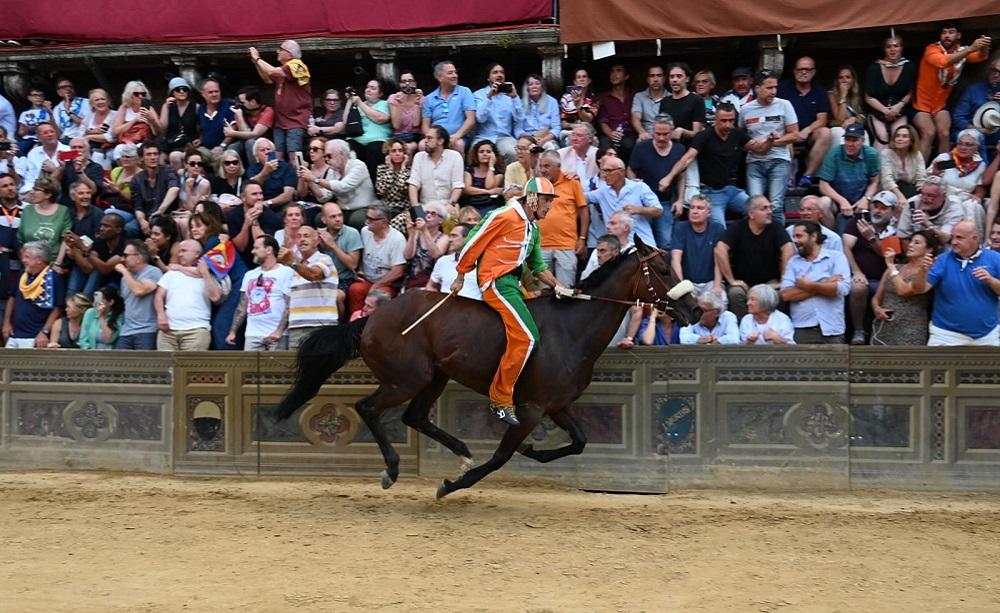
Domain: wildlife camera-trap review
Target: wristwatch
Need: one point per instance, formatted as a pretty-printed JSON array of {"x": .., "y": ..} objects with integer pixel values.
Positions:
[
  {"x": 269, "y": 203},
  {"x": 316, "y": 180},
  {"x": 894, "y": 273}
]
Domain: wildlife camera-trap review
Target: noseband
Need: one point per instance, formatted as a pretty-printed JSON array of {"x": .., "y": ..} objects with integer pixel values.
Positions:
[{"x": 646, "y": 274}]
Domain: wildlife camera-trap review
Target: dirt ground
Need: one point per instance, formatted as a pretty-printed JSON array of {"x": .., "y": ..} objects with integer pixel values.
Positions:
[{"x": 119, "y": 542}]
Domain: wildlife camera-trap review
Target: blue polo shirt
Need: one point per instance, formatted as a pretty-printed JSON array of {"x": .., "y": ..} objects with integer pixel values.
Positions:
[
  {"x": 806, "y": 106},
  {"x": 634, "y": 192},
  {"x": 211, "y": 125},
  {"x": 276, "y": 182},
  {"x": 849, "y": 177},
  {"x": 498, "y": 116},
  {"x": 963, "y": 303},
  {"x": 449, "y": 113}
]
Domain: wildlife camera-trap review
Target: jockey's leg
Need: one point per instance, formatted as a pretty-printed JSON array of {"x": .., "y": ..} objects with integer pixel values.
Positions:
[{"x": 505, "y": 296}]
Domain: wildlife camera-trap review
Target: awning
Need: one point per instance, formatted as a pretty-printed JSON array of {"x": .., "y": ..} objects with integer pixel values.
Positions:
[
  {"x": 184, "y": 21},
  {"x": 584, "y": 21}
]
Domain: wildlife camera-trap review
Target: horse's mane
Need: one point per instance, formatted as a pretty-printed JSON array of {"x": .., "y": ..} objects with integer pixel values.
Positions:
[{"x": 604, "y": 271}]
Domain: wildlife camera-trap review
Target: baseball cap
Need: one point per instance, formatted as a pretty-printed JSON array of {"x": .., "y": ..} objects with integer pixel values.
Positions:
[
  {"x": 540, "y": 185},
  {"x": 855, "y": 130},
  {"x": 742, "y": 71},
  {"x": 887, "y": 198}
]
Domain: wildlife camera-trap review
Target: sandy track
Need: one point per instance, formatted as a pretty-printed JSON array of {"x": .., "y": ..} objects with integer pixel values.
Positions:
[{"x": 112, "y": 542}]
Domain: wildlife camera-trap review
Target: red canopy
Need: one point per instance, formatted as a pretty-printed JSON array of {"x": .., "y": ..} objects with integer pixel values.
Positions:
[{"x": 184, "y": 21}]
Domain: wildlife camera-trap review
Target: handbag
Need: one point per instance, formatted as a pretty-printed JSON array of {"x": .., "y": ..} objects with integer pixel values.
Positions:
[{"x": 353, "y": 127}]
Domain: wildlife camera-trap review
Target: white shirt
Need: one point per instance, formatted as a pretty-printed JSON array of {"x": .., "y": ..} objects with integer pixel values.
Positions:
[
  {"x": 33, "y": 168},
  {"x": 445, "y": 273},
  {"x": 725, "y": 328},
  {"x": 267, "y": 298},
  {"x": 186, "y": 305},
  {"x": 777, "y": 321}
]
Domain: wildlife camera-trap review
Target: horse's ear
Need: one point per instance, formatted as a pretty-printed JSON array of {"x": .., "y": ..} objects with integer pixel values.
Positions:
[{"x": 641, "y": 246}]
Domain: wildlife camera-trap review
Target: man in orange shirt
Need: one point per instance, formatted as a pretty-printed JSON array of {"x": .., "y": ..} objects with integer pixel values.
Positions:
[
  {"x": 564, "y": 229},
  {"x": 497, "y": 246},
  {"x": 940, "y": 69}
]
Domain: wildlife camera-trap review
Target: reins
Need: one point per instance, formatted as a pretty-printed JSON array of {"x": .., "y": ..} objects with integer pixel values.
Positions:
[{"x": 645, "y": 273}]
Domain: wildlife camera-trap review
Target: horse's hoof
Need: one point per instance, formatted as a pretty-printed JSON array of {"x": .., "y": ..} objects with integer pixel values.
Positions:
[
  {"x": 387, "y": 481},
  {"x": 464, "y": 464},
  {"x": 442, "y": 490}
]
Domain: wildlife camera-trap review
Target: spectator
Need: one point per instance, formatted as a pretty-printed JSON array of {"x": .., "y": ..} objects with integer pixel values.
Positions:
[
  {"x": 811, "y": 209},
  {"x": 994, "y": 242},
  {"x": 184, "y": 302},
  {"x": 292, "y": 217},
  {"x": 771, "y": 122},
  {"x": 42, "y": 160},
  {"x": 579, "y": 159},
  {"x": 163, "y": 242},
  {"x": 704, "y": 86},
  {"x": 7, "y": 116},
  {"x": 309, "y": 189},
  {"x": 812, "y": 109},
  {"x": 865, "y": 242},
  {"x": 331, "y": 122},
  {"x": 86, "y": 222},
  {"x": 264, "y": 300},
  {"x": 965, "y": 301},
  {"x": 620, "y": 194},
  {"x": 901, "y": 317},
  {"x": 619, "y": 227},
  {"x": 179, "y": 118},
  {"x": 614, "y": 113},
  {"x": 37, "y": 304},
  {"x": 716, "y": 326},
  {"x": 213, "y": 115},
  {"x": 764, "y": 324},
  {"x": 483, "y": 177},
  {"x": 499, "y": 112},
  {"x": 405, "y": 108},
  {"x": 685, "y": 107},
  {"x": 742, "y": 90},
  {"x": 194, "y": 182},
  {"x": 154, "y": 189},
  {"x": 963, "y": 171},
  {"x": 518, "y": 173},
  {"x": 10, "y": 222},
  {"x": 652, "y": 161},
  {"x": 96, "y": 264},
  {"x": 343, "y": 244},
  {"x": 815, "y": 282},
  {"x": 752, "y": 251},
  {"x": 383, "y": 263},
  {"x": 252, "y": 119},
  {"x": 118, "y": 185},
  {"x": 445, "y": 270},
  {"x": 903, "y": 169},
  {"x": 719, "y": 152},
  {"x": 71, "y": 112},
  {"x": 576, "y": 105},
  {"x": 97, "y": 127},
  {"x": 45, "y": 220},
  {"x": 436, "y": 173},
  {"x": 8, "y": 156},
  {"x": 888, "y": 92},
  {"x": 564, "y": 228},
  {"x": 693, "y": 246},
  {"x": 541, "y": 114},
  {"x": 940, "y": 70},
  {"x": 138, "y": 292},
  {"x": 351, "y": 184},
  {"x": 229, "y": 177},
  {"x": 849, "y": 176},
  {"x": 28, "y": 121},
  {"x": 974, "y": 96},
  {"x": 392, "y": 181},
  {"x": 469, "y": 215},
  {"x": 247, "y": 222},
  {"x": 648, "y": 326},
  {"x": 845, "y": 104},
  {"x": 376, "y": 125},
  {"x": 292, "y": 96},
  {"x": 135, "y": 122},
  {"x": 930, "y": 210},
  {"x": 81, "y": 169},
  {"x": 376, "y": 297},
  {"x": 276, "y": 176},
  {"x": 312, "y": 303},
  {"x": 425, "y": 243},
  {"x": 227, "y": 266},
  {"x": 66, "y": 330},
  {"x": 103, "y": 321},
  {"x": 646, "y": 104},
  {"x": 451, "y": 106}
]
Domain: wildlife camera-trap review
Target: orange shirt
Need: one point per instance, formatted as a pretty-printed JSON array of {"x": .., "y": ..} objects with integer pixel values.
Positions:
[
  {"x": 559, "y": 228},
  {"x": 501, "y": 242},
  {"x": 936, "y": 77}
]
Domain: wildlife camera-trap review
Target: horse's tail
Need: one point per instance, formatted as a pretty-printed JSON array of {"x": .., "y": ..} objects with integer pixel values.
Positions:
[{"x": 321, "y": 354}]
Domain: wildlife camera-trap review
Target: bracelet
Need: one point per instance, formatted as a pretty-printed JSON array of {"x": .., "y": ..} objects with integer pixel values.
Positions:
[{"x": 893, "y": 274}]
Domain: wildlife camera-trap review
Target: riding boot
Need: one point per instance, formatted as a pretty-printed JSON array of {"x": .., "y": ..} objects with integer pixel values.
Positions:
[{"x": 505, "y": 412}]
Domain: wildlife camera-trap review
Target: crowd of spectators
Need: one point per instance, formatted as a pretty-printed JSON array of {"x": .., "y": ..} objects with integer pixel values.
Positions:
[{"x": 216, "y": 220}]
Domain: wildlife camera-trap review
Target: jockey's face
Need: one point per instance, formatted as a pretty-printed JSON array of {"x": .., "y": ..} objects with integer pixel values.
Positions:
[{"x": 544, "y": 204}]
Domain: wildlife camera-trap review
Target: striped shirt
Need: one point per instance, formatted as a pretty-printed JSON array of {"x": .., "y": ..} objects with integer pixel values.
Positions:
[{"x": 314, "y": 303}]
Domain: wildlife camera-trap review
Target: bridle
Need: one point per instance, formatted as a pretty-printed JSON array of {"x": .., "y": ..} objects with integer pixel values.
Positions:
[{"x": 644, "y": 274}]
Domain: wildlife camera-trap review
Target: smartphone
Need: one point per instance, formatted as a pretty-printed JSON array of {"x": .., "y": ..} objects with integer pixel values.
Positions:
[
  {"x": 866, "y": 215},
  {"x": 146, "y": 104},
  {"x": 416, "y": 212},
  {"x": 68, "y": 156},
  {"x": 4, "y": 145},
  {"x": 945, "y": 165},
  {"x": 505, "y": 88},
  {"x": 299, "y": 160},
  {"x": 574, "y": 89},
  {"x": 86, "y": 240},
  {"x": 272, "y": 156}
]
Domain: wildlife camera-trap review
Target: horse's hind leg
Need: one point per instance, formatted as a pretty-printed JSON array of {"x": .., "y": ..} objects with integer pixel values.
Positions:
[
  {"x": 369, "y": 409},
  {"x": 578, "y": 440},
  {"x": 416, "y": 417}
]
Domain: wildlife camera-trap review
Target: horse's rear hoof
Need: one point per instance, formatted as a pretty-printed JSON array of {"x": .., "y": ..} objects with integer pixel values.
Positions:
[
  {"x": 443, "y": 489},
  {"x": 387, "y": 481}
]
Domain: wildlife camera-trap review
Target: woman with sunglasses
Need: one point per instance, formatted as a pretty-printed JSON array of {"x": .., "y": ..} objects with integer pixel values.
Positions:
[
  {"x": 180, "y": 118},
  {"x": 97, "y": 127},
  {"x": 135, "y": 122},
  {"x": 194, "y": 183},
  {"x": 229, "y": 176},
  {"x": 318, "y": 170}
]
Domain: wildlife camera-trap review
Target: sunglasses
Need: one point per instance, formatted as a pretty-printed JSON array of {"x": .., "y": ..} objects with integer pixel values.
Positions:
[
  {"x": 231, "y": 163},
  {"x": 138, "y": 94},
  {"x": 195, "y": 164},
  {"x": 182, "y": 88},
  {"x": 332, "y": 99}
]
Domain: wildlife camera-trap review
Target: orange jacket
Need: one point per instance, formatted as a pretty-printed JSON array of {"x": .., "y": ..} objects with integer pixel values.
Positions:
[
  {"x": 500, "y": 243},
  {"x": 936, "y": 77}
]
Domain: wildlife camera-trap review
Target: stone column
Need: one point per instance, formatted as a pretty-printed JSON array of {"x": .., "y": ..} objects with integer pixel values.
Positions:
[
  {"x": 552, "y": 68},
  {"x": 385, "y": 65},
  {"x": 15, "y": 81},
  {"x": 771, "y": 58},
  {"x": 187, "y": 66}
]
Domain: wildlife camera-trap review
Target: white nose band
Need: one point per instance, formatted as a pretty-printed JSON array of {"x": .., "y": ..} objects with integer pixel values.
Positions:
[{"x": 683, "y": 288}]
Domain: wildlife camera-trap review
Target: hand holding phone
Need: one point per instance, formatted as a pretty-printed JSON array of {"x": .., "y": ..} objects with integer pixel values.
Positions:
[{"x": 416, "y": 212}]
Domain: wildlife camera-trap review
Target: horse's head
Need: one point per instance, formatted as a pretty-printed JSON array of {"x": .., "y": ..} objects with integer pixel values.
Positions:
[{"x": 656, "y": 283}]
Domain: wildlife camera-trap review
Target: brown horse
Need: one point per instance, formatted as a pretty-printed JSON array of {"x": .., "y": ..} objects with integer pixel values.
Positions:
[{"x": 463, "y": 341}]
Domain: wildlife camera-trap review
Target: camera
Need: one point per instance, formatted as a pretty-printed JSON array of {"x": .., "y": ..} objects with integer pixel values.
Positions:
[
  {"x": 505, "y": 87},
  {"x": 4, "y": 145},
  {"x": 866, "y": 216},
  {"x": 408, "y": 89},
  {"x": 350, "y": 92},
  {"x": 239, "y": 107}
]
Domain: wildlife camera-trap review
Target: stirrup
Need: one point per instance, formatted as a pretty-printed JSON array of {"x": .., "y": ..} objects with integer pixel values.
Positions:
[{"x": 505, "y": 413}]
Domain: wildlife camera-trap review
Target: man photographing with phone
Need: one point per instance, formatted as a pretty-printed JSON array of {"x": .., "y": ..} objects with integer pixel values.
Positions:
[
  {"x": 75, "y": 165},
  {"x": 498, "y": 112}
]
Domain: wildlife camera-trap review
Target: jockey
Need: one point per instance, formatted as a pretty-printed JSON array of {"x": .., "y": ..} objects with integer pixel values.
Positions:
[{"x": 497, "y": 246}]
